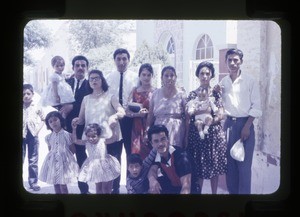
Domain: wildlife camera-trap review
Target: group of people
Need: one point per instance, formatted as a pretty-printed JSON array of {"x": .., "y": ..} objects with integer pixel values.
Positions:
[{"x": 173, "y": 141}]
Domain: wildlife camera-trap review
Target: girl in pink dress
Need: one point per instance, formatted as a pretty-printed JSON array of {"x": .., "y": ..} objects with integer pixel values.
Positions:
[{"x": 141, "y": 95}]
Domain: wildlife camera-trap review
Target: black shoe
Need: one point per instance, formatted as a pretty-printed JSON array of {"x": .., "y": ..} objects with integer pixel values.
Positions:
[{"x": 35, "y": 187}]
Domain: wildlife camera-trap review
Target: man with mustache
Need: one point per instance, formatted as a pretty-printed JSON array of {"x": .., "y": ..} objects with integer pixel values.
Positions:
[{"x": 80, "y": 88}]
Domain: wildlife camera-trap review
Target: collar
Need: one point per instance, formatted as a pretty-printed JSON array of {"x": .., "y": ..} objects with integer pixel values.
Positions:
[
  {"x": 30, "y": 105},
  {"x": 158, "y": 157},
  {"x": 59, "y": 132}
]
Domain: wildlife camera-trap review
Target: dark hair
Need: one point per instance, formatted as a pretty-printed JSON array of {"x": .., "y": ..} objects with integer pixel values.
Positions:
[
  {"x": 93, "y": 126},
  {"x": 146, "y": 66},
  {"x": 120, "y": 51},
  {"x": 167, "y": 68},
  {"x": 104, "y": 82},
  {"x": 234, "y": 51},
  {"x": 134, "y": 158},
  {"x": 154, "y": 129},
  {"x": 56, "y": 59},
  {"x": 80, "y": 57},
  {"x": 54, "y": 114},
  {"x": 207, "y": 64},
  {"x": 28, "y": 87}
]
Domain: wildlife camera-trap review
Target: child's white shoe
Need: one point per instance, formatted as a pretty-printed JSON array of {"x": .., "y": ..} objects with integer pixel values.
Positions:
[
  {"x": 205, "y": 130},
  {"x": 201, "y": 135}
]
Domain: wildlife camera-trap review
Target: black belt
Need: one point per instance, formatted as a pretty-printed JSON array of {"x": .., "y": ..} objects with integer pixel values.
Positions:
[{"x": 236, "y": 118}]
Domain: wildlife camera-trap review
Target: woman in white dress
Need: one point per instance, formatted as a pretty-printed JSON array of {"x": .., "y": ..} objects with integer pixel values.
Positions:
[{"x": 101, "y": 107}]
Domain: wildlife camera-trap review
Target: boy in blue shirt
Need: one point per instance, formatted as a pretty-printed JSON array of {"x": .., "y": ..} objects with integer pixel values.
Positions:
[{"x": 137, "y": 181}]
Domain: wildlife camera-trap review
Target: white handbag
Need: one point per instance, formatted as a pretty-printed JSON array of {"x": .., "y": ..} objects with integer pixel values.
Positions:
[{"x": 237, "y": 151}]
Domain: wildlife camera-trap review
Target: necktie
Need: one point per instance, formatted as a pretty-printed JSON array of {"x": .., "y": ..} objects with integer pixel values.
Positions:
[
  {"x": 121, "y": 89},
  {"x": 77, "y": 86}
]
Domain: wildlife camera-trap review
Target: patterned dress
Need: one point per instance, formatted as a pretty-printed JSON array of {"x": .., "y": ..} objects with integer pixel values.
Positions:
[
  {"x": 139, "y": 124},
  {"x": 170, "y": 112},
  {"x": 59, "y": 166},
  {"x": 99, "y": 166},
  {"x": 208, "y": 154}
]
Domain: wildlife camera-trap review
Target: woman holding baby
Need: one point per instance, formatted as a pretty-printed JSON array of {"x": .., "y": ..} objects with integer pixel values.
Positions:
[{"x": 208, "y": 153}]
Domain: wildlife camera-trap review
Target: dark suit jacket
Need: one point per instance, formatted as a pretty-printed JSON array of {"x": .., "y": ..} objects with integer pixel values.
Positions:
[{"x": 81, "y": 92}]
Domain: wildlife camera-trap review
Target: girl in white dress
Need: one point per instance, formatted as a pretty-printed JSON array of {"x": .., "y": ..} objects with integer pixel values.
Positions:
[
  {"x": 102, "y": 107},
  {"x": 99, "y": 167},
  {"x": 59, "y": 167},
  {"x": 58, "y": 91}
]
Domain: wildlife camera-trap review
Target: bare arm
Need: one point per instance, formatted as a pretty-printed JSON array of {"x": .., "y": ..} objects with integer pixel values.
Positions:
[
  {"x": 41, "y": 115},
  {"x": 74, "y": 136},
  {"x": 187, "y": 129},
  {"x": 154, "y": 186},
  {"x": 150, "y": 117},
  {"x": 120, "y": 112},
  {"x": 185, "y": 184},
  {"x": 67, "y": 108},
  {"x": 81, "y": 116}
]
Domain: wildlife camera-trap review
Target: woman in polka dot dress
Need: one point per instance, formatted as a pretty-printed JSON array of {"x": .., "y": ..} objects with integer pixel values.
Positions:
[{"x": 208, "y": 154}]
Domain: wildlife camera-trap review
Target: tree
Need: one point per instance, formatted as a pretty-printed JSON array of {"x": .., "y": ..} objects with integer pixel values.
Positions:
[
  {"x": 98, "y": 39},
  {"x": 36, "y": 36},
  {"x": 152, "y": 55}
]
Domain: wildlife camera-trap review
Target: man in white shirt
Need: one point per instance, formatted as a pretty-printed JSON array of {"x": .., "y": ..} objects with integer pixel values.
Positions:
[
  {"x": 121, "y": 82},
  {"x": 241, "y": 97}
]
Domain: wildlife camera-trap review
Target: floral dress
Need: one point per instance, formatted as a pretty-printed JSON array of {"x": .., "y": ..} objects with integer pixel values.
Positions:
[
  {"x": 170, "y": 112},
  {"x": 208, "y": 154},
  {"x": 139, "y": 124}
]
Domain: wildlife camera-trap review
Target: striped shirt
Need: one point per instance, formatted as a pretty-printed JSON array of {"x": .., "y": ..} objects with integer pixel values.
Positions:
[{"x": 140, "y": 184}]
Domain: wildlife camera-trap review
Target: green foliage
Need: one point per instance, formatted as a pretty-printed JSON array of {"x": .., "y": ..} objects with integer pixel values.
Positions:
[
  {"x": 148, "y": 54},
  {"x": 97, "y": 39},
  {"x": 36, "y": 36}
]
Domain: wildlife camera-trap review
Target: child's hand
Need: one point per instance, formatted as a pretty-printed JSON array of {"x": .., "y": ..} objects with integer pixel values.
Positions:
[
  {"x": 218, "y": 88},
  {"x": 74, "y": 123},
  {"x": 112, "y": 121},
  {"x": 66, "y": 108},
  {"x": 57, "y": 99}
]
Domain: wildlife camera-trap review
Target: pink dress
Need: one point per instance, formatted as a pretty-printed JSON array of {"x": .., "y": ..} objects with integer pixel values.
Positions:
[
  {"x": 139, "y": 124},
  {"x": 170, "y": 112}
]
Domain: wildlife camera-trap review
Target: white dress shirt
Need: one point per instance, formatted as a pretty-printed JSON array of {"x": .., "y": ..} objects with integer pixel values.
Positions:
[
  {"x": 130, "y": 80},
  {"x": 242, "y": 97},
  {"x": 33, "y": 118}
]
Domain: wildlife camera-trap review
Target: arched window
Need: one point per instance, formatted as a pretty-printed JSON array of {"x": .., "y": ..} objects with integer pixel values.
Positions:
[
  {"x": 205, "y": 49},
  {"x": 171, "y": 46}
]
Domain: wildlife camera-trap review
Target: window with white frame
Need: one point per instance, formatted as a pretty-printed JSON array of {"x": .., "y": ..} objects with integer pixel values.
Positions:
[
  {"x": 171, "y": 46},
  {"x": 205, "y": 49}
]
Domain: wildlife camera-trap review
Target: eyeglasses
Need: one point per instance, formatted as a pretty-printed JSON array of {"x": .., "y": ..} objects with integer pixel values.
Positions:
[
  {"x": 94, "y": 78},
  {"x": 82, "y": 65}
]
